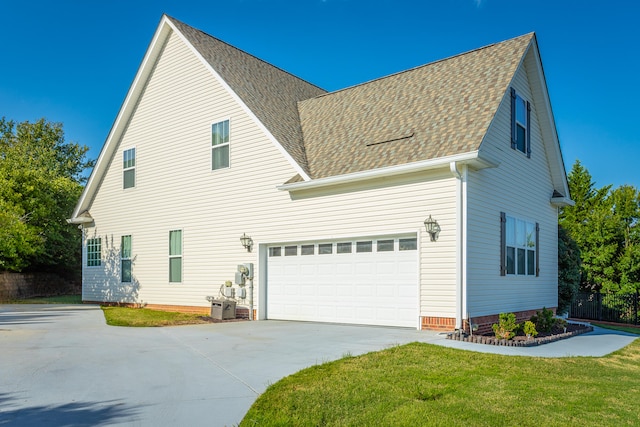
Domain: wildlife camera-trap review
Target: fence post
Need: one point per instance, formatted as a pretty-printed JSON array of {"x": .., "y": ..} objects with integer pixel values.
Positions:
[
  {"x": 599, "y": 306},
  {"x": 635, "y": 308}
]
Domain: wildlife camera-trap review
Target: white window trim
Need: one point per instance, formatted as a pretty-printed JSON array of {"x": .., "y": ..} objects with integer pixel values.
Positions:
[
  {"x": 99, "y": 253},
  {"x": 525, "y": 247},
  {"x": 135, "y": 173},
  {"x": 181, "y": 256},
  {"x": 130, "y": 258},
  {"x": 213, "y": 147},
  {"x": 522, "y": 103}
]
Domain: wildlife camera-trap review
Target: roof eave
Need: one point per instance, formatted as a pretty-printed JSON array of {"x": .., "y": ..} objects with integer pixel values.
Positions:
[
  {"x": 561, "y": 202},
  {"x": 472, "y": 159}
]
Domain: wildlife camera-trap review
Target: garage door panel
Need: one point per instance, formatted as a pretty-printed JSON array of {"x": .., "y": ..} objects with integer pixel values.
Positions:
[{"x": 374, "y": 288}]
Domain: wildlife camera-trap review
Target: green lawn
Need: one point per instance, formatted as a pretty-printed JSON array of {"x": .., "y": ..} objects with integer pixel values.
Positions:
[
  {"x": 122, "y": 316},
  {"x": 619, "y": 327},
  {"x": 427, "y": 385}
]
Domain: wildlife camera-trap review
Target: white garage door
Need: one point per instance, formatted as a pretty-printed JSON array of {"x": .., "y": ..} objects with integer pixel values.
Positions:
[{"x": 360, "y": 281}]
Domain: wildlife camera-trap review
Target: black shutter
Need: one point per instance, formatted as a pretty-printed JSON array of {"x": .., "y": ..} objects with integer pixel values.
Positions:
[
  {"x": 513, "y": 118},
  {"x": 503, "y": 243},
  {"x": 528, "y": 129},
  {"x": 537, "y": 249}
]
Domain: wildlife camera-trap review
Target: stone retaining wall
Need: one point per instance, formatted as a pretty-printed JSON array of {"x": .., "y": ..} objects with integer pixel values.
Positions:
[{"x": 28, "y": 285}]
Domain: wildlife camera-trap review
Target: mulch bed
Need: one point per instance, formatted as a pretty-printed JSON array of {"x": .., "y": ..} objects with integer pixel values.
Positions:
[{"x": 556, "y": 334}]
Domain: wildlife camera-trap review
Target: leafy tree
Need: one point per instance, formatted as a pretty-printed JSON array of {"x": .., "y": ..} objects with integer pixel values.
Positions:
[
  {"x": 569, "y": 265},
  {"x": 41, "y": 178},
  {"x": 590, "y": 223},
  {"x": 604, "y": 224},
  {"x": 626, "y": 209}
]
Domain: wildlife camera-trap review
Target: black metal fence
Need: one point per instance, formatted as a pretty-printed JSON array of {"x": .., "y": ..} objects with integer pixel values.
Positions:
[{"x": 619, "y": 308}]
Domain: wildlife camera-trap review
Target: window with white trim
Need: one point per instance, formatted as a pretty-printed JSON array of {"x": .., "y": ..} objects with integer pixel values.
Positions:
[
  {"x": 520, "y": 123},
  {"x": 520, "y": 247},
  {"x": 220, "y": 145},
  {"x": 175, "y": 256},
  {"x": 125, "y": 259},
  {"x": 94, "y": 252},
  {"x": 129, "y": 168}
]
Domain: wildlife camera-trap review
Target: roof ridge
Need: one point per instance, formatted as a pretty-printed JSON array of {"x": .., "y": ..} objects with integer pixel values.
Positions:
[
  {"x": 245, "y": 52},
  {"x": 530, "y": 34}
]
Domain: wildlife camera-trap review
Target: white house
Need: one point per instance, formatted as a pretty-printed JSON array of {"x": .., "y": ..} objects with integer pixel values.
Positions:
[{"x": 335, "y": 189}]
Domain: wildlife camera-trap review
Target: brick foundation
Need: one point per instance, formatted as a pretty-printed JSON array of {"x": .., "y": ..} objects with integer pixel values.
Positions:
[
  {"x": 485, "y": 323},
  {"x": 241, "y": 312},
  {"x": 438, "y": 323}
]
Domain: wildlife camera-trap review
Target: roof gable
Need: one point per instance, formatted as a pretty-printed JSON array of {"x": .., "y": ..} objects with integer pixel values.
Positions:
[
  {"x": 270, "y": 93},
  {"x": 436, "y": 110}
]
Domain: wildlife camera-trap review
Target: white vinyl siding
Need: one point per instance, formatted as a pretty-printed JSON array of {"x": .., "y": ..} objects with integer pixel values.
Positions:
[
  {"x": 493, "y": 190},
  {"x": 220, "y": 207}
]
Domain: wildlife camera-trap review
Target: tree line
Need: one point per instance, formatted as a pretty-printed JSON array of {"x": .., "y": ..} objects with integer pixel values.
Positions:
[
  {"x": 41, "y": 179},
  {"x": 603, "y": 225}
]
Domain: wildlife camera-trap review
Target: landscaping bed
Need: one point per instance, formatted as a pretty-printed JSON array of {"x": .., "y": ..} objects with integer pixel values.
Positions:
[{"x": 557, "y": 333}]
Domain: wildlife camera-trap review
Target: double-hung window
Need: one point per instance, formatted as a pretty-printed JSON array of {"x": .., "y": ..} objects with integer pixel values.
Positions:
[
  {"x": 520, "y": 247},
  {"x": 220, "y": 145},
  {"x": 125, "y": 259},
  {"x": 94, "y": 252},
  {"x": 129, "y": 168},
  {"x": 175, "y": 256},
  {"x": 520, "y": 123}
]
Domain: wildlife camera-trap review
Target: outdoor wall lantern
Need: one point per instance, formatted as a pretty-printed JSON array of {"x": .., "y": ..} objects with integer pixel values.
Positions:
[
  {"x": 433, "y": 228},
  {"x": 247, "y": 242}
]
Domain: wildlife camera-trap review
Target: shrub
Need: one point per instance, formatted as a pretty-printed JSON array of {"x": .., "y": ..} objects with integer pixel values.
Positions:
[
  {"x": 504, "y": 329},
  {"x": 543, "y": 320},
  {"x": 530, "y": 329}
]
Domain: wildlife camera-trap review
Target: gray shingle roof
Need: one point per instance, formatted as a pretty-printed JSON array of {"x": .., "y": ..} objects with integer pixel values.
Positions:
[
  {"x": 269, "y": 92},
  {"x": 436, "y": 110}
]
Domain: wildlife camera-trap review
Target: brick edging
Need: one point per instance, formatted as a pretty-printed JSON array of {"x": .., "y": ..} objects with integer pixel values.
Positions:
[{"x": 483, "y": 339}]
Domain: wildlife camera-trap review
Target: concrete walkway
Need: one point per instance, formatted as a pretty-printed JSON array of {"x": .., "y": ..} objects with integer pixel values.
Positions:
[{"x": 61, "y": 365}]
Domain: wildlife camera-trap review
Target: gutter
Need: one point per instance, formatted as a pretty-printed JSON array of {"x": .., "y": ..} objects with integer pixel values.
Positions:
[
  {"x": 461, "y": 176},
  {"x": 471, "y": 159},
  {"x": 82, "y": 219}
]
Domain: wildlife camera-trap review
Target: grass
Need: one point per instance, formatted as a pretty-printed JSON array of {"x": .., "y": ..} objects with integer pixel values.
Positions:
[
  {"x": 427, "y": 385},
  {"x": 630, "y": 329},
  {"x": 62, "y": 299},
  {"x": 144, "y": 317}
]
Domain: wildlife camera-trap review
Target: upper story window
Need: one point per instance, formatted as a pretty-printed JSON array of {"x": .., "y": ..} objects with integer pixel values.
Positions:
[
  {"x": 520, "y": 123},
  {"x": 220, "y": 145},
  {"x": 520, "y": 248},
  {"x": 94, "y": 252},
  {"x": 129, "y": 168}
]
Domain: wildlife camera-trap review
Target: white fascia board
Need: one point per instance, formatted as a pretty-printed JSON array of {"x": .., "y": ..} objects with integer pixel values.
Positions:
[
  {"x": 244, "y": 106},
  {"x": 123, "y": 116},
  {"x": 552, "y": 130},
  {"x": 472, "y": 159},
  {"x": 561, "y": 201}
]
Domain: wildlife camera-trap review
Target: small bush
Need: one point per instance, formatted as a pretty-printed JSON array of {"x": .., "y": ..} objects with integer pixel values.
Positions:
[
  {"x": 530, "y": 329},
  {"x": 543, "y": 320},
  {"x": 560, "y": 322},
  {"x": 506, "y": 326}
]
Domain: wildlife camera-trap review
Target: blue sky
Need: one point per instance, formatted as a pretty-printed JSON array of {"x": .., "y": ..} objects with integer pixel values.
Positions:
[{"x": 73, "y": 61}]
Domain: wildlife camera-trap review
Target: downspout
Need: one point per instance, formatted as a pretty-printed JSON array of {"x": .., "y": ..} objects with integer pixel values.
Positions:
[{"x": 461, "y": 240}]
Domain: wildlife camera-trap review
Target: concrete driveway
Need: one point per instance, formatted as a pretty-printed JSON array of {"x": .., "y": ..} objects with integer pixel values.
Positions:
[{"x": 62, "y": 365}]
